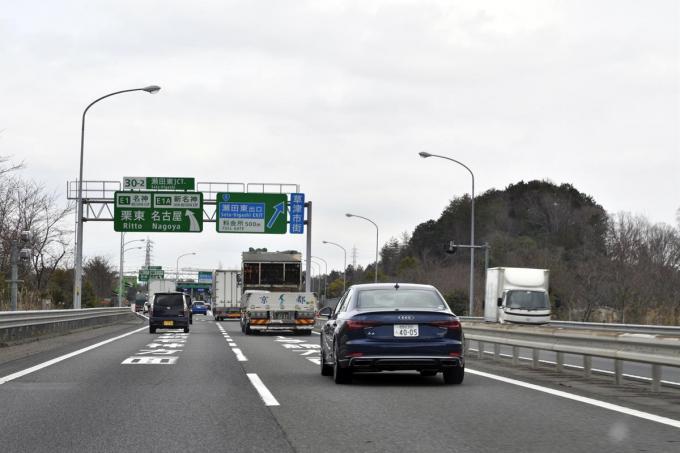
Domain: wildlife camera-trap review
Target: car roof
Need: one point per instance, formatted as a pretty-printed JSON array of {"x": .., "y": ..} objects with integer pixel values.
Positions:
[{"x": 394, "y": 285}]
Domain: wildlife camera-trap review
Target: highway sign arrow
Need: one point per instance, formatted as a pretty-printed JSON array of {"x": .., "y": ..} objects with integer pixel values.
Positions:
[{"x": 278, "y": 210}]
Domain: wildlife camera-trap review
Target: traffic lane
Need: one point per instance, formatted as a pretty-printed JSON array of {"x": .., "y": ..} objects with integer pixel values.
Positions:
[
  {"x": 404, "y": 411},
  {"x": 671, "y": 374},
  {"x": 94, "y": 402},
  {"x": 25, "y": 355}
]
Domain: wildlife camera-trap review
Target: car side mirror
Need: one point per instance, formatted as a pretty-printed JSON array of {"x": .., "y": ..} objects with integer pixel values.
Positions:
[
  {"x": 326, "y": 312},
  {"x": 499, "y": 302}
]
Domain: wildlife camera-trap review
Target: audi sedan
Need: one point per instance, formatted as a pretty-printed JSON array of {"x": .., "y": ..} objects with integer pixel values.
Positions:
[{"x": 391, "y": 327}]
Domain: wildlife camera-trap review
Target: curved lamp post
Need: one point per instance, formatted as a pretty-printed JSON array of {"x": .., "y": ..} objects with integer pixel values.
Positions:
[
  {"x": 78, "y": 271},
  {"x": 122, "y": 259},
  {"x": 472, "y": 226},
  {"x": 177, "y": 265},
  {"x": 344, "y": 269},
  {"x": 325, "y": 276},
  {"x": 376, "y": 242}
]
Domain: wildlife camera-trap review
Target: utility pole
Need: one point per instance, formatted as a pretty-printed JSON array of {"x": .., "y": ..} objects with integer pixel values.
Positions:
[{"x": 354, "y": 257}]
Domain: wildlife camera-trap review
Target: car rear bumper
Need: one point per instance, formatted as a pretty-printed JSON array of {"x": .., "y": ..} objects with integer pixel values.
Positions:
[
  {"x": 178, "y": 323},
  {"x": 275, "y": 327},
  {"x": 387, "y": 363}
]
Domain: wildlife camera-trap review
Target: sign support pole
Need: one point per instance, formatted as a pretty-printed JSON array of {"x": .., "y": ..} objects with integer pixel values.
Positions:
[
  {"x": 120, "y": 277},
  {"x": 308, "y": 261}
]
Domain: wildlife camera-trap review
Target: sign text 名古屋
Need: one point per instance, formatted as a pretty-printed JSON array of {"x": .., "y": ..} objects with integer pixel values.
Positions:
[{"x": 158, "y": 212}]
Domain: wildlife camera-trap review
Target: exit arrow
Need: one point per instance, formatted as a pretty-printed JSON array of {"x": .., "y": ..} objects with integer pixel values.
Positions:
[{"x": 278, "y": 210}]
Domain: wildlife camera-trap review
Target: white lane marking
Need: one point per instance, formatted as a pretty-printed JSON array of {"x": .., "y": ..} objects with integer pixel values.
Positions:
[
  {"x": 239, "y": 355},
  {"x": 581, "y": 399},
  {"x": 262, "y": 389},
  {"x": 150, "y": 361},
  {"x": 316, "y": 333},
  {"x": 40, "y": 366},
  {"x": 578, "y": 367},
  {"x": 233, "y": 345}
]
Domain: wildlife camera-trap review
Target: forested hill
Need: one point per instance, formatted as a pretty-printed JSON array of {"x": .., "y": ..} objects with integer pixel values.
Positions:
[{"x": 602, "y": 267}]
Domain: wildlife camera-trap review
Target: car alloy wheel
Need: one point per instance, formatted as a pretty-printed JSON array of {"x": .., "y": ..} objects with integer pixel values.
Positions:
[{"x": 341, "y": 375}]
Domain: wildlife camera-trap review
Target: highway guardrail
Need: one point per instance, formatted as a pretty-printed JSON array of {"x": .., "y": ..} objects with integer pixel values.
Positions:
[
  {"x": 17, "y": 326},
  {"x": 655, "y": 350}
]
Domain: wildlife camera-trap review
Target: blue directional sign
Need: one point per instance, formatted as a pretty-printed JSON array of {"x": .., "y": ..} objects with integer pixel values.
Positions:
[
  {"x": 239, "y": 212},
  {"x": 297, "y": 213}
]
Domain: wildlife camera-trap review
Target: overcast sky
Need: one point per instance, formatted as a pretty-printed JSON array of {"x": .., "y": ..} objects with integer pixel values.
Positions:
[{"x": 339, "y": 97}]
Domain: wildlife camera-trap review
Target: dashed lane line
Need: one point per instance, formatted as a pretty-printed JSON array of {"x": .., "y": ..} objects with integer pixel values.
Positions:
[
  {"x": 262, "y": 389},
  {"x": 232, "y": 344}
]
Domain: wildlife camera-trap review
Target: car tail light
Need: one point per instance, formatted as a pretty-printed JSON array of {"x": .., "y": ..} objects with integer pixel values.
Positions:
[
  {"x": 449, "y": 324},
  {"x": 356, "y": 325},
  {"x": 454, "y": 354},
  {"x": 355, "y": 354}
]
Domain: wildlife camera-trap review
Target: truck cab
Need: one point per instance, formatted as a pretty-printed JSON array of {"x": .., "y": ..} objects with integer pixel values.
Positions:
[{"x": 517, "y": 295}]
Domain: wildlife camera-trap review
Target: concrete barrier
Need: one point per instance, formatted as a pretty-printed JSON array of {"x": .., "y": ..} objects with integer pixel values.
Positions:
[{"x": 21, "y": 326}]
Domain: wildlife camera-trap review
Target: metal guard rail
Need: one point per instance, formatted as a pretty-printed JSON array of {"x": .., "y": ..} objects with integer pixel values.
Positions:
[
  {"x": 10, "y": 319},
  {"x": 655, "y": 350}
]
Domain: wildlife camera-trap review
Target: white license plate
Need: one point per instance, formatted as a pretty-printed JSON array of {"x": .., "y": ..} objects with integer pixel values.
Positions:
[{"x": 406, "y": 330}]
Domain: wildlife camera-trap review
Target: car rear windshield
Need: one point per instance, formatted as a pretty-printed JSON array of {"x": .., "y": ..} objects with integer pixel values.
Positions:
[
  {"x": 198, "y": 303},
  {"x": 169, "y": 300},
  {"x": 400, "y": 298}
]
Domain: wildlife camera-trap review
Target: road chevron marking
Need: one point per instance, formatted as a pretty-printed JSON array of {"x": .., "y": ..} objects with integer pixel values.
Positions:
[{"x": 593, "y": 402}]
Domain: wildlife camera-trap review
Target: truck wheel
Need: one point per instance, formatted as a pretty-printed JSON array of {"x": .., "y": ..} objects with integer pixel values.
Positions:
[
  {"x": 186, "y": 330},
  {"x": 248, "y": 330},
  {"x": 306, "y": 332},
  {"x": 454, "y": 375}
]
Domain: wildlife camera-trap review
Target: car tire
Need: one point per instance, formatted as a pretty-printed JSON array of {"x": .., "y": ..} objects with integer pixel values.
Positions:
[
  {"x": 341, "y": 375},
  {"x": 326, "y": 369},
  {"x": 428, "y": 372},
  {"x": 186, "y": 330},
  {"x": 454, "y": 376},
  {"x": 152, "y": 329}
]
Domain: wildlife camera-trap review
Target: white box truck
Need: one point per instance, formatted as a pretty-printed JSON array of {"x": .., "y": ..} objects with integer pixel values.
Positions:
[
  {"x": 159, "y": 286},
  {"x": 264, "y": 311},
  {"x": 518, "y": 295},
  {"x": 226, "y": 294}
]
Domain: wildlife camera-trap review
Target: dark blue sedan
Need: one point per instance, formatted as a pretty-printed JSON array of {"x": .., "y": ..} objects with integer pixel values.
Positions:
[
  {"x": 199, "y": 308},
  {"x": 390, "y": 327}
]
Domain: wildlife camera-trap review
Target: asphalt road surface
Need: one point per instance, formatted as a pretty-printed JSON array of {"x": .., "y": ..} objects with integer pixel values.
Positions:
[{"x": 216, "y": 389}]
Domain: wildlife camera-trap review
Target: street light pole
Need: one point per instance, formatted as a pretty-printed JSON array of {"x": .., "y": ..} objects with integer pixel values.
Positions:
[
  {"x": 424, "y": 154},
  {"x": 376, "y": 242},
  {"x": 344, "y": 269},
  {"x": 78, "y": 265},
  {"x": 325, "y": 277},
  {"x": 177, "y": 266},
  {"x": 122, "y": 258}
]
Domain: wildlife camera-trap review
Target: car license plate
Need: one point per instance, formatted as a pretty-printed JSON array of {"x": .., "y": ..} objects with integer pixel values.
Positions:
[
  {"x": 168, "y": 323},
  {"x": 406, "y": 330}
]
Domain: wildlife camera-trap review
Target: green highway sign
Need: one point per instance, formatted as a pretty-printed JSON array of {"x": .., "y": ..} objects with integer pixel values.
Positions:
[
  {"x": 129, "y": 281},
  {"x": 158, "y": 212},
  {"x": 239, "y": 212},
  {"x": 158, "y": 183},
  {"x": 151, "y": 274}
]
